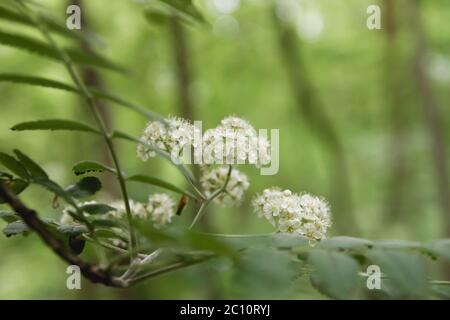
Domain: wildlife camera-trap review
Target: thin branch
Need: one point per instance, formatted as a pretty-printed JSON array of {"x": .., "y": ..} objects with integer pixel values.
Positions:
[
  {"x": 92, "y": 272},
  {"x": 169, "y": 268},
  {"x": 205, "y": 204},
  {"x": 87, "y": 95}
]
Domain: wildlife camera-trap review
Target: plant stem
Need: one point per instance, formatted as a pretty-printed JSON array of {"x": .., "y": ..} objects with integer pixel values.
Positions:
[
  {"x": 91, "y": 104},
  {"x": 169, "y": 268},
  {"x": 205, "y": 204}
]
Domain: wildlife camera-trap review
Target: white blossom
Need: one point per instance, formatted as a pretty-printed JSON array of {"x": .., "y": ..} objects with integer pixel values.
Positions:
[
  {"x": 171, "y": 136},
  {"x": 301, "y": 214},
  {"x": 161, "y": 209},
  {"x": 214, "y": 179},
  {"x": 235, "y": 141},
  {"x": 138, "y": 209}
]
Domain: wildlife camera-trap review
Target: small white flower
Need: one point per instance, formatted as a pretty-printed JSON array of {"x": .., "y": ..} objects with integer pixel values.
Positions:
[
  {"x": 213, "y": 180},
  {"x": 235, "y": 141},
  {"x": 171, "y": 136},
  {"x": 161, "y": 208},
  {"x": 137, "y": 209},
  {"x": 301, "y": 214}
]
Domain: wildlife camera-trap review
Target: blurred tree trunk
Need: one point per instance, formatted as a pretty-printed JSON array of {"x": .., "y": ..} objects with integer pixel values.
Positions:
[
  {"x": 184, "y": 78},
  {"x": 397, "y": 106},
  {"x": 311, "y": 108},
  {"x": 93, "y": 79},
  {"x": 432, "y": 114}
]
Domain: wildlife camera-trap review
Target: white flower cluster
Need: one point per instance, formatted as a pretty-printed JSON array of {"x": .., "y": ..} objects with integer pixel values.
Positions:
[
  {"x": 160, "y": 208},
  {"x": 214, "y": 179},
  {"x": 171, "y": 136},
  {"x": 301, "y": 214},
  {"x": 137, "y": 209},
  {"x": 235, "y": 141}
]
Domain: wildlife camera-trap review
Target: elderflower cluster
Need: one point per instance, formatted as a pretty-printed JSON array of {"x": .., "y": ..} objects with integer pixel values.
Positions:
[
  {"x": 161, "y": 209},
  {"x": 137, "y": 209},
  {"x": 301, "y": 214},
  {"x": 171, "y": 136},
  {"x": 214, "y": 179},
  {"x": 235, "y": 141}
]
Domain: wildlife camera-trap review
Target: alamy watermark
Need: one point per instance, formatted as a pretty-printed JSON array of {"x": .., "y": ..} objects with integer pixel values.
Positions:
[
  {"x": 373, "y": 274},
  {"x": 374, "y": 19},
  {"x": 223, "y": 145},
  {"x": 73, "y": 281},
  {"x": 73, "y": 21}
]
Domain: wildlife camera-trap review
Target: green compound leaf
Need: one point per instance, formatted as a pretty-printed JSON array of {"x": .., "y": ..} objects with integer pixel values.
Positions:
[
  {"x": 335, "y": 275},
  {"x": 406, "y": 270}
]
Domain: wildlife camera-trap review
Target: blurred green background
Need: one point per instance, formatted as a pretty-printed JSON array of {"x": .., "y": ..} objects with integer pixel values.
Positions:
[{"x": 363, "y": 118}]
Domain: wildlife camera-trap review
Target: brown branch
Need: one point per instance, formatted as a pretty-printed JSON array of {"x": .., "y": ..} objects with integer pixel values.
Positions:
[{"x": 94, "y": 273}]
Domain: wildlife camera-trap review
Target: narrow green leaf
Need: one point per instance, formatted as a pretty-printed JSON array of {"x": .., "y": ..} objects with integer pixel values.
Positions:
[
  {"x": 441, "y": 248},
  {"x": 105, "y": 223},
  {"x": 346, "y": 243},
  {"x": 4, "y": 176},
  {"x": 406, "y": 270},
  {"x": 200, "y": 241},
  {"x": 335, "y": 275},
  {"x": 398, "y": 244},
  {"x": 54, "y": 124},
  {"x": 264, "y": 273},
  {"x": 9, "y": 216},
  {"x": 124, "y": 136},
  {"x": 41, "y": 48},
  {"x": 160, "y": 183},
  {"x": 109, "y": 234},
  {"x": 124, "y": 103},
  {"x": 160, "y": 11},
  {"x": 97, "y": 208},
  {"x": 51, "y": 24},
  {"x": 84, "y": 167},
  {"x": 36, "y": 81},
  {"x": 17, "y": 186},
  {"x": 33, "y": 168},
  {"x": 13, "y": 165},
  {"x": 52, "y": 84},
  {"x": 86, "y": 187},
  {"x": 441, "y": 290},
  {"x": 54, "y": 188},
  {"x": 73, "y": 230},
  {"x": 15, "y": 228}
]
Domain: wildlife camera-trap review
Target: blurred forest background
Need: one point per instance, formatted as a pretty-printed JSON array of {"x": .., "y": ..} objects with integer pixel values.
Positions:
[{"x": 363, "y": 115}]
